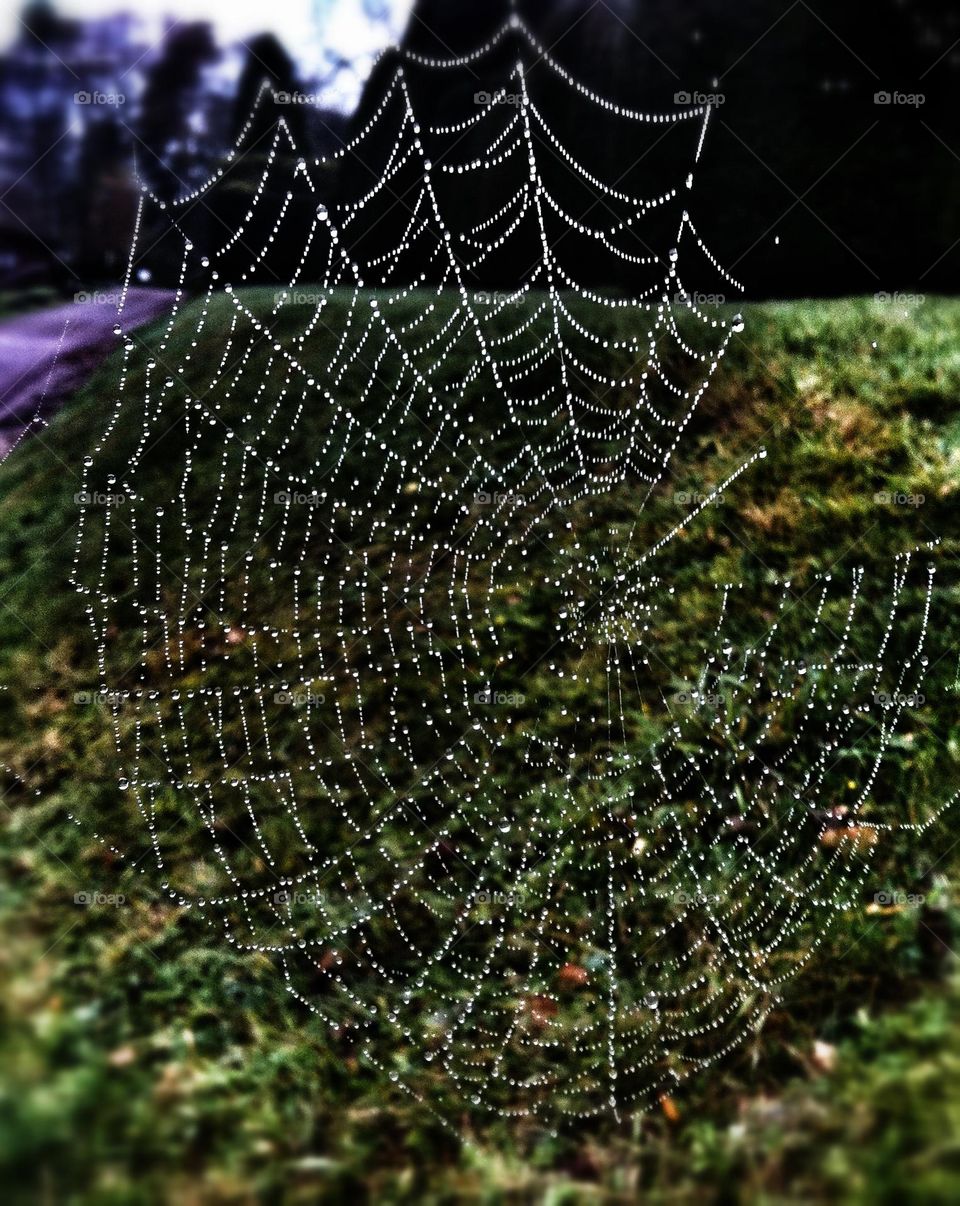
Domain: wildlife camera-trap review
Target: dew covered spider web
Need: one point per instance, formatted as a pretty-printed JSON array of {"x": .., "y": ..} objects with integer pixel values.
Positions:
[{"x": 534, "y": 872}]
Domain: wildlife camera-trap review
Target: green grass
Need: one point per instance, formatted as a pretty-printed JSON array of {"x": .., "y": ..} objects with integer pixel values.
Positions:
[
  {"x": 36, "y": 297},
  {"x": 144, "y": 1060}
]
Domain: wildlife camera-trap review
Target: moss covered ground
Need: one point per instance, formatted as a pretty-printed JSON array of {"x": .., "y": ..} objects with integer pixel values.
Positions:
[{"x": 145, "y": 1061}]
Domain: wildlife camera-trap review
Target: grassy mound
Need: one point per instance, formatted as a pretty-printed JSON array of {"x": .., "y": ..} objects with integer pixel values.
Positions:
[{"x": 144, "y": 1056}]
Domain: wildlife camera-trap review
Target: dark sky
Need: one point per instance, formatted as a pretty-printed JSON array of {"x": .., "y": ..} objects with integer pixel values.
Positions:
[{"x": 809, "y": 184}]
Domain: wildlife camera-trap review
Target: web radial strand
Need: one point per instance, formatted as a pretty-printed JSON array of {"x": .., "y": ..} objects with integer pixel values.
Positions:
[{"x": 327, "y": 682}]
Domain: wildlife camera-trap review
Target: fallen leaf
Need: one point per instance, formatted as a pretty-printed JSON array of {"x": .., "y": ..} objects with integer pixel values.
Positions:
[
  {"x": 572, "y": 975},
  {"x": 857, "y": 835},
  {"x": 541, "y": 1008},
  {"x": 122, "y": 1057}
]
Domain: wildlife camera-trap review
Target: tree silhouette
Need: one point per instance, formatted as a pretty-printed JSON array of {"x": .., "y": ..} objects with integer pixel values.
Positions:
[{"x": 169, "y": 98}]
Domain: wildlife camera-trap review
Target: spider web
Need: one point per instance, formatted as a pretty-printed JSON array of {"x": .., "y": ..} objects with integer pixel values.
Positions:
[{"x": 569, "y": 929}]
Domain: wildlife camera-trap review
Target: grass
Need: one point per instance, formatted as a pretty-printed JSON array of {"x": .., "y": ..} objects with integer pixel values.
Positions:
[{"x": 145, "y": 1060}]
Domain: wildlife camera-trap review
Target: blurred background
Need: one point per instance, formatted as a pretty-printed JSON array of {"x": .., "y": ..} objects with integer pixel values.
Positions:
[{"x": 832, "y": 166}]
